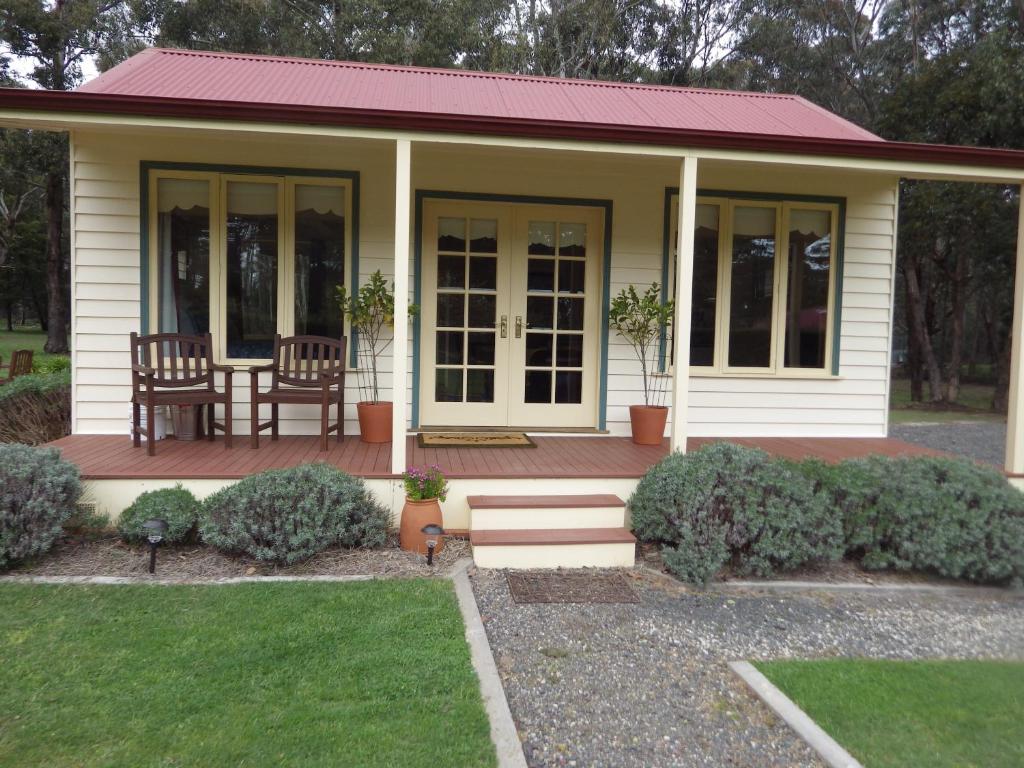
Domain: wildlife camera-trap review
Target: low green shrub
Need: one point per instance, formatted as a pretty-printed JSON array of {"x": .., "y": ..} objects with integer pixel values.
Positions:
[
  {"x": 175, "y": 505},
  {"x": 726, "y": 504},
  {"x": 288, "y": 515},
  {"x": 36, "y": 408},
  {"x": 946, "y": 516},
  {"x": 54, "y": 364},
  {"x": 38, "y": 491}
]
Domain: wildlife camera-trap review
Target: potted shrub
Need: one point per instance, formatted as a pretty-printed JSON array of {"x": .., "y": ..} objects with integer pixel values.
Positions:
[
  {"x": 370, "y": 310},
  {"x": 639, "y": 320},
  {"x": 425, "y": 489}
]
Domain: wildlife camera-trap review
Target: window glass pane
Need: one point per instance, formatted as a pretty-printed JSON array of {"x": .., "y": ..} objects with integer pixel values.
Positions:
[
  {"x": 319, "y": 258},
  {"x": 753, "y": 275},
  {"x": 569, "y": 387},
  {"x": 451, "y": 310},
  {"x": 183, "y": 253},
  {"x": 540, "y": 275},
  {"x": 451, "y": 271},
  {"x": 542, "y": 238},
  {"x": 483, "y": 309},
  {"x": 480, "y": 385},
  {"x": 449, "y": 347},
  {"x": 572, "y": 239},
  {"x": 538, "y": 386},
  {"x": 570, "y": 350},
  {"x": 570, "y": 314},
  {"x": 481, "y": 348},
  {"x": 448, "y": 385},
  {"x": 807, "y": 273},
  {"x": 705, "y": 286},
  {"x": 483, "y": 273},
  {"x": 571, "y": 276},
  {"x": 539, "y": 348},
  {"x": 251, "y": 290},
  {"x": 540, "y": 312}
]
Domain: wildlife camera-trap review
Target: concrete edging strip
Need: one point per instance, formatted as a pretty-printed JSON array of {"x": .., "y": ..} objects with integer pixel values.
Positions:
[
  {"x": 503, "y": 728},
  {"x": 827, "y": 748},
  {"x": 171, "y": 582}
]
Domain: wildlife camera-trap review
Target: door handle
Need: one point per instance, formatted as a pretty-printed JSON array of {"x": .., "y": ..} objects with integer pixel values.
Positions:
[
  {"x": 519, "y": 326},
  {"x": 504, "y": 326}
]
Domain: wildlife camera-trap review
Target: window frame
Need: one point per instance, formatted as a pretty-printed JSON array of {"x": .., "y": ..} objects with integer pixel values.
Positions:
[
  {"x": 727, "y": 202},
  {"x": 218, "y": 179}
]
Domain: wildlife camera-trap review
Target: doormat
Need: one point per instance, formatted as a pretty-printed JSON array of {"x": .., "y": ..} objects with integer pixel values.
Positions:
[
  {"x": 475, "y": 440},
  {"x": 532, "y": 587}
]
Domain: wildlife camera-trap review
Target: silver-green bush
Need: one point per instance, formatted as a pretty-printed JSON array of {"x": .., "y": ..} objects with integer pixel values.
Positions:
[
  {"x": 175, "y": 505},
  {"x": 38, "y": 491},
  {"x": 288, "y": 515},
  {"x": 725, "y": 504},
  {"x": 946, "y": 516}
]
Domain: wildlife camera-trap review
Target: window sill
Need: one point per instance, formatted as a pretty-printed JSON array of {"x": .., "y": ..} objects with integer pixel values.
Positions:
[{"x": 698, "y": 373}]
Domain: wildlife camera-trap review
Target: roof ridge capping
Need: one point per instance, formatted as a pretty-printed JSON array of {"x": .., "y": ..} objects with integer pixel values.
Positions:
[{"x": 476, "y": 74}]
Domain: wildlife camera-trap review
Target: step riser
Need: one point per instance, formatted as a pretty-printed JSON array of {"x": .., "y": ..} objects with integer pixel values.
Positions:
[
  {"x": 618, "y": 555},
  {"x": 558, "y": 517}
]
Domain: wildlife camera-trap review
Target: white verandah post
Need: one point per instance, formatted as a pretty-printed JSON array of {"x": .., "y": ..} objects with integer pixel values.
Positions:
[
  {"x": 400, "y": 346},
  {"x": 1015, "y": 411},
  {"x": 683, "y": 300}
]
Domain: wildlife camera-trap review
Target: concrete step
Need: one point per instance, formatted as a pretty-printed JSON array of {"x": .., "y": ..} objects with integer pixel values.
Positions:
[
  {"x": 554, "y": 548},
  {"x": 489, "y": 513}
]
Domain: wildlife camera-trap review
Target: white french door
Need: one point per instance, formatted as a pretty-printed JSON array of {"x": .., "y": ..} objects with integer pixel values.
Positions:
[{"x": 510, "y": 315}]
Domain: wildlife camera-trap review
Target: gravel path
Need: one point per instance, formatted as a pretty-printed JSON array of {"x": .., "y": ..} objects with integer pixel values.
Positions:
[
  {"x": 980, "y": 440},
  {"x": 647, "y": 684}
]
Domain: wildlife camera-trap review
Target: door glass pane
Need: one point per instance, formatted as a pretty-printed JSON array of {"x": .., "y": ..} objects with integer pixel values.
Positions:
[
  {"x": 705, "y": 286},
  {"x": 807, "y": 273},
  {"x": 541, "y": 238},
  {"x": 568, "y": 387},
  {"x": 448, "y": 385},
  {"x": 183, "y": 232},
  {"x": 540, "y": 275},
  {"x": 570, "y": 314},
  {"x": 540, "y": 312},
  {"x": 753, "y": 280},
  {"x": 449, "y": 347},
  {"x": 571, "y": 276},
  {"x": 483, "y": 273},
  {"x": 483, "y": 310},
  {"x": 480, "y": 385},
  {"x": 572, "y": 239},
  {"x": 319, "y": 258},
  {"x": 483, "y": 236},
  {"x": 538, "y": 386},
  {"x": 451, "y": 310},
  {"x": 538, "y": 349},
  {"x": 570, "y": 350},
  {"x": 480, "y": 349},
  {"x": 451, "y": 235},
  {"x": 451, "y": 271},
  {"x": 251, "y": 289}
]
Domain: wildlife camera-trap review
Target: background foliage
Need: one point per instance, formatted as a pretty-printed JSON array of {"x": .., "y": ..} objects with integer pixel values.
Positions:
[{"x": 949, "y": 71}]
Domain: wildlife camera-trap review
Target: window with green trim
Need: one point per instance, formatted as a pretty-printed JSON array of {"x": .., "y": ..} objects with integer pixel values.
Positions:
[{"x": 763, "y": 293}]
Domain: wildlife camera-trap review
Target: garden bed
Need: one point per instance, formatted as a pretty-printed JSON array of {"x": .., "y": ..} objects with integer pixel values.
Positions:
[{"x": 74, "y": 556}]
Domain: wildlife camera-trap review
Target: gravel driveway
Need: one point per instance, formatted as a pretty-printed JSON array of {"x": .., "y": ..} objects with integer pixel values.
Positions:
[
  {"x": 980, "y": 440},
  {"x": 646, "y": 684}
]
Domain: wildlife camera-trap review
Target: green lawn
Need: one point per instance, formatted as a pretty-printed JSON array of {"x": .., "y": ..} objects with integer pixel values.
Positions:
[
  {"x": 975, "y": 399},
  {"x": 24, "y": 338},
  {"x": 360, "y": 674},
  {"x": 891, "y": 714}
]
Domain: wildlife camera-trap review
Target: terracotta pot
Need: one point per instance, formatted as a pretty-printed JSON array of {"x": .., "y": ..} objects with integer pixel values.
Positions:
[
  {"x": 648, "y": 423},
  {"x": 374, "y": 422},
  {"x": 415, "y": 515}
]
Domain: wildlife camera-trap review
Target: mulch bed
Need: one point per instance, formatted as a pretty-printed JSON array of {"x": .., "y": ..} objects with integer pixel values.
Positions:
[
  {"x": 570, "y": 587},
  {"x": 111, "y": 557}
]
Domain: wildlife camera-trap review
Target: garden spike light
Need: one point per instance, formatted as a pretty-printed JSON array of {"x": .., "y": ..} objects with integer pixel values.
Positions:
[
  {"x": 433, "y": 530},
  {"x": 155, "y": 530}
]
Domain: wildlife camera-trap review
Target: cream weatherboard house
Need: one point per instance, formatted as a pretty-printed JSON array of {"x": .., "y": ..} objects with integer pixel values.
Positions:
[{"x": 231, "y": 194}]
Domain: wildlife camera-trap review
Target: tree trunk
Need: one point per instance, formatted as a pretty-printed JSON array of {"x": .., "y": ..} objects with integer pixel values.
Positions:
[
  {"x": 56, "y": 326},
  {"x": 1001, "y": 395},
  {"x": 914, "y": 368},
  {"x": 958, "y": 301},
  {"x": 919, "y": 327}
]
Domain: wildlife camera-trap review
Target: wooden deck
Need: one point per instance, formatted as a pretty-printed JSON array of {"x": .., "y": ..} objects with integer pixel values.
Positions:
[{"x": 112, "y": 457}]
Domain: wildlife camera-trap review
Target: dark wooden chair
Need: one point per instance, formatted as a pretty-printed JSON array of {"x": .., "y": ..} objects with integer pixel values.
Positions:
[
  {"x": 175, "y": 369},
  {"x": 307, "y": 370},
  {"x": 20, "y": 365}
]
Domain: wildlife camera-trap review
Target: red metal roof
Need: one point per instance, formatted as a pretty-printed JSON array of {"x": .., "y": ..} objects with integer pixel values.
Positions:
[
  {"x": 235, "y": 87},
  {"x": 244, "y": 79}
]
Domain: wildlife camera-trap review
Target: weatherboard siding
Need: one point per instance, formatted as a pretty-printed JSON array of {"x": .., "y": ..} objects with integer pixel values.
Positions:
[{"x": 106, "y": 270}]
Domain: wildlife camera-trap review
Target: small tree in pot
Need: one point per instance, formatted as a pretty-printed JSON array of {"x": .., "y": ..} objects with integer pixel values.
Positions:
[
  {"x": 639, "y": 319},
  {"x": 370, "y": 310}
]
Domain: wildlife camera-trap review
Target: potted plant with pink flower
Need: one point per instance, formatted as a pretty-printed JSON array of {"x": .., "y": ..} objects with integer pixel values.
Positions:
[{"x": 425, "y": 489}]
